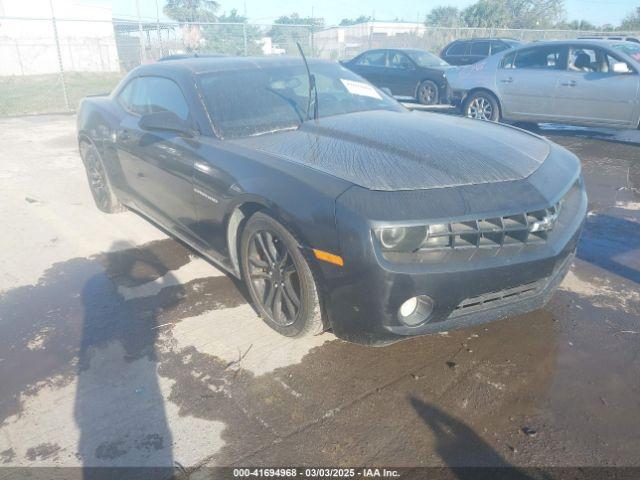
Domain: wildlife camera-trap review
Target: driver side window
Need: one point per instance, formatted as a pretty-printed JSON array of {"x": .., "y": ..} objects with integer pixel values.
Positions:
[
  {"x": 154, "y": 94},
  {"x": 399, "y": 60}
]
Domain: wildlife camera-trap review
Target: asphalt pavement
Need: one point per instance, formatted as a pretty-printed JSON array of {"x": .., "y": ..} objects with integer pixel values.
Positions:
[{"x": 120, "y": 347}]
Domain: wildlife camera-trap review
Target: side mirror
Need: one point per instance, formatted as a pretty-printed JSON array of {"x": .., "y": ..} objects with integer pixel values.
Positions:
[
  {"x": 165, "y": 121},
  {"x": 620, "y": 67}
]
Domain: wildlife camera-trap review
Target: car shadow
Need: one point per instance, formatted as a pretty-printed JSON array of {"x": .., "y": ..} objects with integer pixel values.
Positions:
[
  {"x": 119, "y": 406},
  {"x": 466, "y": 454},
  {"x": 605, "y": 242}
]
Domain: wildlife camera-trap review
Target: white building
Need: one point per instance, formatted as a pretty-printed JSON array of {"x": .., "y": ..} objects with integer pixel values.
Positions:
[
  {"x": 27, "y": 46},
  {"x": 338, "y": 43}
]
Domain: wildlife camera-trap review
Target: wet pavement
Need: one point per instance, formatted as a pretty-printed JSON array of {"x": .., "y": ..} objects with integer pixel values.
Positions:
[{"x": 119, "y": 346}]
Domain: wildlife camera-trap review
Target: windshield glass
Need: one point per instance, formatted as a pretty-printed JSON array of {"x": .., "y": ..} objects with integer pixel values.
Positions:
[
  {"x": 255, "y": 101},
  {"x": 630, "y": 49},
  {"x": 426, "y": 59}
]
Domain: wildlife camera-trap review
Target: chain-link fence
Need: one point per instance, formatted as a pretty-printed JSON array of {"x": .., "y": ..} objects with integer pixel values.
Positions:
[{"x": 49, "y": 65}]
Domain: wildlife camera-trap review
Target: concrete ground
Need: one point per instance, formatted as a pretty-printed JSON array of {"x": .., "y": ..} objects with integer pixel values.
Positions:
[{"x": 118, "y": 346}]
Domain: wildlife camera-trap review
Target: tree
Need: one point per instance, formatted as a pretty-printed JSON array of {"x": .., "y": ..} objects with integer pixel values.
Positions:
[
  {"x": 444, "y": 17},
  {"x": 631, "y": 21},
  {"x": 230, "y": 39},
  {"x": 487, "y": 14},
  {"x": 287, "y": 30},
  {"x": 188, "y": 11},
  {"x": 354, "y": 21},
  {"x": 513, "y": 13},
  {"x": 191, "y": 10},
  {"x": 535, "y": 13},
  {"x": 583, "y": 25}
]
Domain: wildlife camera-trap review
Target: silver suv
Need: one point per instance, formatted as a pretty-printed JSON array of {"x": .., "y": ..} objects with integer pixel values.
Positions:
[{"x": 580, "y": 82}]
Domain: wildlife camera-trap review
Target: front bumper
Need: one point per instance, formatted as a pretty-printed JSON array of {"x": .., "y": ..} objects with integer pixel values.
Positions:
[{"x": 363, "y": 301}]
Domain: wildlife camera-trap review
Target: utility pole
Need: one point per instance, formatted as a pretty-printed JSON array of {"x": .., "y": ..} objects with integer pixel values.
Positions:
[
  {"x": 244, "y": 31},
  {"x": 60, "y": 65},
  {"x": 140, "y": 32},
  {"x": 158, "y": 27}
]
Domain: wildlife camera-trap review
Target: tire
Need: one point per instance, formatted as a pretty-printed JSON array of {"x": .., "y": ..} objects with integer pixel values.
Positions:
[
  {"x": 482, "y": 106},
  {"x": 103, "y": 195},
  {"x": 427, "y": 93},
  {"x": 276, "y": 273}
]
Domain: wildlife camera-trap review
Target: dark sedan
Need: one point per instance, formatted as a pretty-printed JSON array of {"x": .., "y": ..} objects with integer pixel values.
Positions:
[
  {"x": 336, "y": 206},
  {"x": 407, "y": 74}
]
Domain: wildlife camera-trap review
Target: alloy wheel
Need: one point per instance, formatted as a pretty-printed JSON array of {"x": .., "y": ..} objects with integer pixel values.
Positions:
[
  {"x": 427, "y": 94},
  {"x": 480, "y": 108},
  {"x": 97, "y": 180},
  {"x": 274, "y": 277}
]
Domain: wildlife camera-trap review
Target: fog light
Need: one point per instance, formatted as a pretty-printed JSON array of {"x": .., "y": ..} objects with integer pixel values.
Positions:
[{"x": 415, "y": 311}]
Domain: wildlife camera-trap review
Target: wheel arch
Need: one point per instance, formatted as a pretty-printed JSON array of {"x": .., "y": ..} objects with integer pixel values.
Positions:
[{"x": 235, "y": 223}]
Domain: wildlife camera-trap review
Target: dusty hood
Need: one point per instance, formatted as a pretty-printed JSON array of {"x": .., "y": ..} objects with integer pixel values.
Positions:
[{"x": 385, "y": 150}]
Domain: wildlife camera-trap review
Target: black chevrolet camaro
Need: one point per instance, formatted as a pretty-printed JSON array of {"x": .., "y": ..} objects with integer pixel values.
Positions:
[{"x": 338, "y": 208}]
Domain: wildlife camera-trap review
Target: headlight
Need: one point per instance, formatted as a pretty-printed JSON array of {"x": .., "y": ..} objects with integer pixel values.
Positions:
[{"x": 402, "y": 239}]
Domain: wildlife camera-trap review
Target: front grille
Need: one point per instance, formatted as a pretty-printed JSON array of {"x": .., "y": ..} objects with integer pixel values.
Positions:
[
  {"x": 496, "y": 299},
  {"x": 523, "y": 228}
]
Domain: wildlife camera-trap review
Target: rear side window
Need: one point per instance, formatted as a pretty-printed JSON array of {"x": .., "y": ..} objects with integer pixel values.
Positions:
[
  {"x": 458, "y": 48},
  {"x": 480, "y": 48},
  {"x": 374, "y": 59},
  {"x": 497, "y": 47}
]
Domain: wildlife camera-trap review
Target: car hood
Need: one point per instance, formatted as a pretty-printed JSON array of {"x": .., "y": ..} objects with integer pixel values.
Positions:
[{"x": 385, "y": 150}]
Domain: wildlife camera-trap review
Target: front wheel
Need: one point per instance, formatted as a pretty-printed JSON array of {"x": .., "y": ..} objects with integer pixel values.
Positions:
[
  {"x": 279, "y": 279},
  {"x": 427, "y": 93},
  {"x": 482, "y": 106}
]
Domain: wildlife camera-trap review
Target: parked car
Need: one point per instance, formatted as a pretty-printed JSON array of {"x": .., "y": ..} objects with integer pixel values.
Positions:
[
  {"x": 405, "y": 73},
  {"x": 467, "y": 52},
  {"x": 580, "y": 82},
  {"x": 623, "y": 38},
  {"x": 335, "y": 205}
]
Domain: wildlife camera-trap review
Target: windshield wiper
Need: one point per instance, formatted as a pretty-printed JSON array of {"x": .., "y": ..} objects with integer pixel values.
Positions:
[{"x": 313, "y": 90}]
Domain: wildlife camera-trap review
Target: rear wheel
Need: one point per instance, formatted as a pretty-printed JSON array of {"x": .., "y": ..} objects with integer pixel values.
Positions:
[
  {"x": 101, "y": 190},
  {"x": 482, "y": 106},
  {"x": 427, "y": 93},
  {"x": 279, "y": 279}
]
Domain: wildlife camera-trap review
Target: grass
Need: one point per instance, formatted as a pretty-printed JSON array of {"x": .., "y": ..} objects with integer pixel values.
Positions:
[{"x": 31, "y": 94}]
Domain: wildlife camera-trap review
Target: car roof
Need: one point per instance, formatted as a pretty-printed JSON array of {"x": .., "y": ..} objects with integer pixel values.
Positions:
[
  {"x": 487, "y": 38},
  {"x": 211, "y": 64},
  {"x": 579, "y": 41}
]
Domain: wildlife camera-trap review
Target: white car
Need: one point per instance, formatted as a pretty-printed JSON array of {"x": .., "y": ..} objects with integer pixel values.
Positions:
[{"x": 579, "y": 82}]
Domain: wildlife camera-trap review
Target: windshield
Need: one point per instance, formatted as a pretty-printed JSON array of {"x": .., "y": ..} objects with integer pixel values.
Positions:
[
  {"x": 263, "y": 100},
  {"x": 630, "y": 49},
  {"x": 426, "y": 59}
]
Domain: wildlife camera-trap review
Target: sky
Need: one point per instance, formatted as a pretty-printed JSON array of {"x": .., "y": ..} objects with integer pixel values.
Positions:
[{"x": 597, "y": 12}]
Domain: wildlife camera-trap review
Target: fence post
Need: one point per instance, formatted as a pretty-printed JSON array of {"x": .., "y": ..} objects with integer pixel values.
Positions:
[
  {"x": 60, "y": 65},
  {"x": 244, "y": 38}
]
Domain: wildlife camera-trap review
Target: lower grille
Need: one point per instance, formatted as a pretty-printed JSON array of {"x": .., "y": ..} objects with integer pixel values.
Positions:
[{"x": 496, "y": 299}]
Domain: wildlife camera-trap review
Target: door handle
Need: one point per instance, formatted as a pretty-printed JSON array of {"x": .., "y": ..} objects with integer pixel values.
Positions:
[
  {"x": 572, "y": 83},
  {"x": 507, "y": 80}
]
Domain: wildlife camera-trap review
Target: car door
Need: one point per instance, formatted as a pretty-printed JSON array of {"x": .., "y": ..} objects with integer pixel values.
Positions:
[
  {"x": 527, "y": 80},
  {"x": 401, "y": 74},
  {"x": 159, "y": 165},
  {"x": 590, "y": 92},
  {"x": 371, "y": 65}
]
